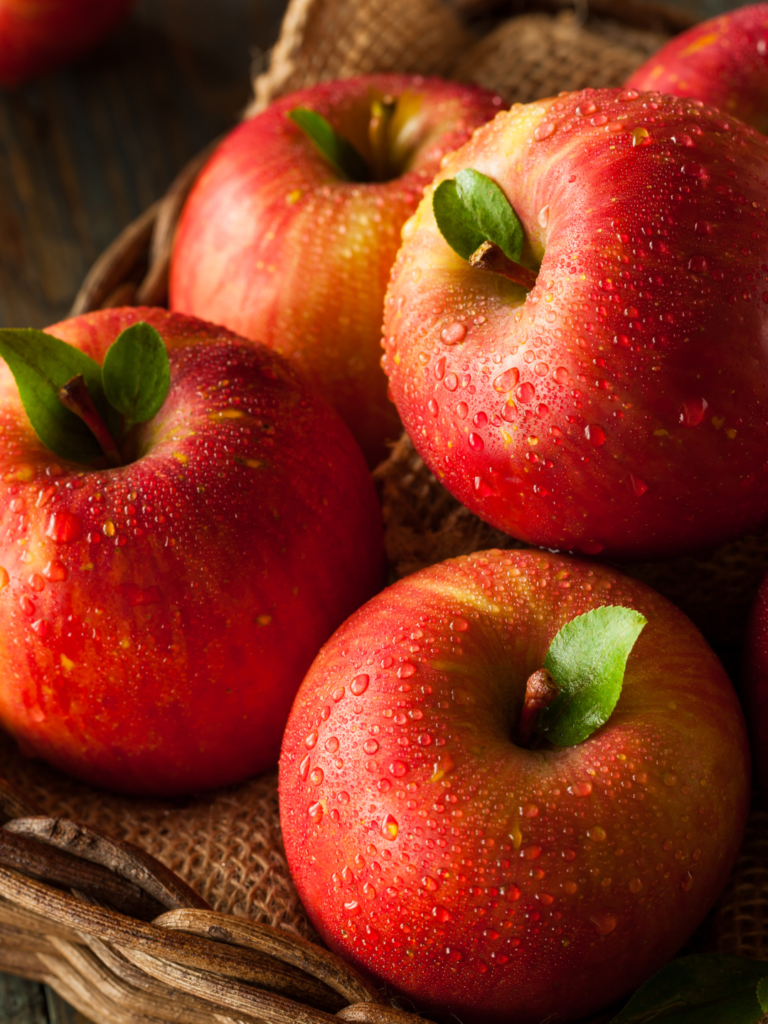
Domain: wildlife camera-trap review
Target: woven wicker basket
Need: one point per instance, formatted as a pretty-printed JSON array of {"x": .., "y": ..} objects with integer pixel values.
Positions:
[{"x": 146, "y": 912}]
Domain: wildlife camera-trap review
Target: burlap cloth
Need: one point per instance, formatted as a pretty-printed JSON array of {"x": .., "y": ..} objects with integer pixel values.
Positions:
[{"x": 228, "y": 844}]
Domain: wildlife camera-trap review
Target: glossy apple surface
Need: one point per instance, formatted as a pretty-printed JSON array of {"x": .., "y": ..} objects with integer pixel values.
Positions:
[
  {"x": 156, "y": 619},
  {"x": 275, "y": 245},
  {"x": 620, "y": 406},
  {"x": 36, "y": 36},
  {"x": 499, "y": 883},
  {"x": 723, "y": 61}
]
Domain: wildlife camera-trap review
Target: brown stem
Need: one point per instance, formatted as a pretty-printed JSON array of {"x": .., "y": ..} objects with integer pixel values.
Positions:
[
  {"x": 382, "y": 109},
  {"x": 76, "y": 397},
  {"x": 540, "y": 690},
  {"x": 489, "y": 256}
]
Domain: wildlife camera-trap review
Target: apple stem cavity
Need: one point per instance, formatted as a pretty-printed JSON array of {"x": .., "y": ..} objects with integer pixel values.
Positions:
[
  {"x": 540, "y": 691},
  {"x": 76, "y": 397},
  {"x": 490, "y": 256},
  {"x": 382, "y": 110}
]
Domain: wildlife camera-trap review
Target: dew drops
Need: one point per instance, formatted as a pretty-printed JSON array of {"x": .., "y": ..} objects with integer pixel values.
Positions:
[
  {"x": 424, "y": 739},
  {"x": 390, "y": 828},
  {"x": 462, "y": 410},
  {"x": 692, "y": 411},
  {"x": 604, "y": 923},
  {"x": 595, "y": 434},
  {"x": 454, "y": 333},
  {"x": 337, "y": 695},
  {"x": 441, "y": 914},
  {"x": 561, "y": 376},
  {"x": 359, "y": 685},
  {"x": 686, "y": 883},
  {"x": 27, "y": 605},
  {"x": 440, "y": 368},
  {"x": 55, "y": 572},
  {"x": 429, "y": 883},
  {"x": 526, "y": 393},
  {"x": 398, "y": 769},
  {"x": 316, "y": 776},
  {"x": 311, "y": 740},
  {"x": 304, "y": 768},
  {"x": 585, "y": 109},
  {"x": 406, "y": 670},
  {"x": 698, "y": 264},
  {"x": 543, "y": 217},
  {"x": 459, "y": 625},
  {"x": 451, "y": 381},
  {"x": 63, "y": 527},
  {"x": 331, "y": 744},
  {"x": 543, "y": 131},
  {"x": 640, "y": 137},
  {"x": 597, "y": 834},
  {"x": 433, "y": 407},
  {"x": 627, "y": 95},
  {"x": 635, "y": 885},
  {"x": 580, "y": 788},
  {"x": 476, "y": 442},
  {"x": 36, "y": 582},
  {"x": 315, "y": 811},
  {"x": 637, "y": 485},
  {"x": 109, "y": 528},
  {"x": 368, "y": 891},
  {"x": 352, "y": 908},
  {"x": 371, "y": 746}
]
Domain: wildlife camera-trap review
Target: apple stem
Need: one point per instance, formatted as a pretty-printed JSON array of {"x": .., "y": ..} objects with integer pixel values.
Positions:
[
  {"x": 76, "y": 397},
  {"x": 540, "y": 690},
  {"x": 489, "y": 256},
  {"x": 378, "y": 135}
]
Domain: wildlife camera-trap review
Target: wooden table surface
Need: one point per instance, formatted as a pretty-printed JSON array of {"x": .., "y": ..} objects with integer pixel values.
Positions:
[{"x": 86, "y": 150}]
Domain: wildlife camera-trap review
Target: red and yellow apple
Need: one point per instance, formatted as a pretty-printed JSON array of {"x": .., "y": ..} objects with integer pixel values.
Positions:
[
  {"x": 36, "y": 36},
  {"x": 275, "y": 244},
  {"x": 156, "y": 619},
  {"x": 723, "y": 61},
  {"x": 620, "y": 405},
  {"x": 480, "y": 877}
]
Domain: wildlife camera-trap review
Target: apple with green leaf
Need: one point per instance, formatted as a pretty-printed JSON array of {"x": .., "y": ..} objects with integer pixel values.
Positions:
[
  {"x": 509, "y": 775},
  {"x": 184, "y": 523},
  {"x": 289, "y": 233},
  {"x": 722, "y": 61},
  {"x": 573, "y": 327}
]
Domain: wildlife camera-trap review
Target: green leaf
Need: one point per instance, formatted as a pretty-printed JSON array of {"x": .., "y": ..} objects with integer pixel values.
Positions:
[
  {"x": 700, "y": 989},
  {"x": 136, "y": 374},
  {"x": 471, "y": 209},
  {"x": 587, "y": 659},
  {"x": 338, "y": 151},
  {"x": 41, "y": 365}
]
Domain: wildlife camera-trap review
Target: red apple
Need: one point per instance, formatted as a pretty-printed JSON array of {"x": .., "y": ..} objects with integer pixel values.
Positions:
[
  {"x": 480, "y": 877},
  {"x": 620, "y": 405},
  {"x": 157, "y": 618},
  {"x": 723, "y": 61},
  {"x": 36, "y": 36},
  {"x": 275, "y": 244}
]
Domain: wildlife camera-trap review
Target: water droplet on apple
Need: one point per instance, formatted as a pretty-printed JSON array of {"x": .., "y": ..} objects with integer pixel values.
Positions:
[
  {"x": 352, "y": 908},
  {"x": 398, "y": 769},
  {"x": 580, "y": 788},
  {"x": 316, "y": 776},
  {"x": 63, "y": 527},
  {"x": 441, "y": 914},
  {"x": 331, "y": 744},
  {"x": 526, "y": 392},
  {"x": 635, "y": 885},
  {"x": 692, "y": 411},
  {"x": 543, "y": 216},
  {"x": 315, "y": 811},
  {"x": 585, "y": 109},
  {"x": 433, "y": 407},
  {"x": 597, "y": 834},
  {"x": 595, "y": 434},
  {"x": 454, "y": 333},
  {"x": 389, "y": 828},
  {"x": 337, "y": 694},
  {"x": 604, "y": 922},
  {"x": 304, "y": 769},
  {"x": 637, "y": 485},
  {"x": 686, "y": 883},
  {"x": 406, "y": 670},
  {"x": 475, "y": 442},
  {"x": 543, "y": 131},
  {"x": 359, "y": 685},
  {"x": 368, "y": 891},
  {"x": 627, "y": 95},
  {"x": 459, "y": 625},
  {"x": 506, "y": 380},
  {"x": 451, "y": 381},
  {"x": 311, "y": 740},
  {"x": 371, "y": 746},
  {"x": 453, "y": 954},
  {"x": 482, "y": 488},
  {"x": 27, "y": 605},
  {"x": 440, "y": 368}
]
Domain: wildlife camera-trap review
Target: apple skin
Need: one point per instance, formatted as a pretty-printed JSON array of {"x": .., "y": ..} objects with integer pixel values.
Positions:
[
  {"x": 620, "y": 406},
  {"x": 722, "y": 61},
  {"x": 156, "y": 620},
  {"x": 487, "y": 880},
  {"x": 37, "y": 36},
  {"x": 273, "y": 244}
]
